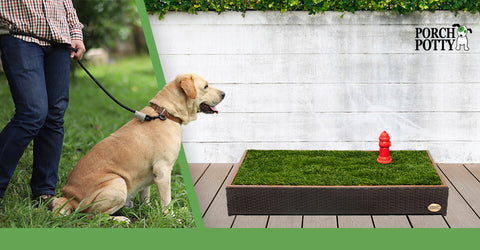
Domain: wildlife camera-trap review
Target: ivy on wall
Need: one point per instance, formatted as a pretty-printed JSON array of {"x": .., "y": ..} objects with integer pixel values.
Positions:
[{"x": 161, "y": 7}]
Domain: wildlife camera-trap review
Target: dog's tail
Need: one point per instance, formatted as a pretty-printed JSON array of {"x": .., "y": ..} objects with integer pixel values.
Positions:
[{"x": 63, "y": 206}]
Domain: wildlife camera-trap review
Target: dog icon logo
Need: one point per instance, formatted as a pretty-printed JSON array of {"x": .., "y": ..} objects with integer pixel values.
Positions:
[{"x": 462, "y": 36}]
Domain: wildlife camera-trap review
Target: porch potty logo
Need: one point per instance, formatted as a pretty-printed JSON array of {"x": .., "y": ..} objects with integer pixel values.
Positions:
[{"x": 442, "y": 39}]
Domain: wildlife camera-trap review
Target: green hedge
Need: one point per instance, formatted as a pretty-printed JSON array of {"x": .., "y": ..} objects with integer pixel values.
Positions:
[{"x": 161, "y": 7}]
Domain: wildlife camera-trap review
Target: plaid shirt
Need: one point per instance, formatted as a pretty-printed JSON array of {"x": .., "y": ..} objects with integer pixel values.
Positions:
[{"x": 52, "y": 19}]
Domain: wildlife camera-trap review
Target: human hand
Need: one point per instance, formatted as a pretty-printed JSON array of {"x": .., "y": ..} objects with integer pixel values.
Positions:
[{"x": 77, "y": 44}]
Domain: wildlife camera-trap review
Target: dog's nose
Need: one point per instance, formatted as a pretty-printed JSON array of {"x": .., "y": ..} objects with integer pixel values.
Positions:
[{"x": 222, "y": 94}]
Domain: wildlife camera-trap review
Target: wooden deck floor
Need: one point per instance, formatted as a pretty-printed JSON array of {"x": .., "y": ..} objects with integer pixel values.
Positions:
[{"x": 463, "y": 204}]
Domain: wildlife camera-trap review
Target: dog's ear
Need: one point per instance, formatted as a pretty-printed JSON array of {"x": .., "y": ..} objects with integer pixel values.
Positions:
[
  {"x": 188, "y": 86},
  {"x": 469, "y": 30},
  {"x": 456, "y": 25}
]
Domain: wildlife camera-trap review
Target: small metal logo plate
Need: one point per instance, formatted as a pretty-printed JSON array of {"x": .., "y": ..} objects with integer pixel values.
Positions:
[{"x": 434, "y": 207}]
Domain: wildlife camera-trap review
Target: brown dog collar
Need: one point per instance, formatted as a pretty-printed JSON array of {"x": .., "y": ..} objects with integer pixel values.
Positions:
[{"x": 163, "y": 113}]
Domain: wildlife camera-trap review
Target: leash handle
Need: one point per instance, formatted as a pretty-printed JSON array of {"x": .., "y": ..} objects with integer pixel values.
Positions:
[{"x": 4, "y": 30}]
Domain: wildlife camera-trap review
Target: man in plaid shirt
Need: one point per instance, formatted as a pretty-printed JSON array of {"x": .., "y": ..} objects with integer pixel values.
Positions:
[{"x": 38, "y": 76}]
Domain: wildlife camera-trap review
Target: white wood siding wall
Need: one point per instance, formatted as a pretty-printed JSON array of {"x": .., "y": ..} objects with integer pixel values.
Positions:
[{"x": 299, "y": 81}]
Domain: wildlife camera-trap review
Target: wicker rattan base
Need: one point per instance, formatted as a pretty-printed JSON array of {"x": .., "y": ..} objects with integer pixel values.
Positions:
[{"x": 338, "y": 200}]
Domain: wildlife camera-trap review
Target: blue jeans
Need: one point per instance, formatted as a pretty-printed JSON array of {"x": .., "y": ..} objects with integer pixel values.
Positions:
[{"x": 38, "y": 77}]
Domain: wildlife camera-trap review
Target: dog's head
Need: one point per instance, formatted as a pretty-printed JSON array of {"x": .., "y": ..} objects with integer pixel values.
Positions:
[
  {"x": 462, "y": 30},
  {"x": 188, "y": 95}
]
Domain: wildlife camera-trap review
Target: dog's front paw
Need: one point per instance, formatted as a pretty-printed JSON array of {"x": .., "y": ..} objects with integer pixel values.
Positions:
[
  {"x": 177, "y": 216},
  {"x": 120, "y": 219},
  {"x": 172, "y": 213},
  {"x": 167, "y": 211}
]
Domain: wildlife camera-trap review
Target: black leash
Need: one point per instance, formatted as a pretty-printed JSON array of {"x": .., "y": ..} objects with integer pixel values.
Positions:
[
  {"x": 100, "y": 85},
  {"x": 4, "y": 30},
  {"x": 139, "y": 115}
]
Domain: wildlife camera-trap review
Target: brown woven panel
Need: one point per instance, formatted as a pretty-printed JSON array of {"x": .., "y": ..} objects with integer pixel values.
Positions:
[{"x": 291, "y": 200}]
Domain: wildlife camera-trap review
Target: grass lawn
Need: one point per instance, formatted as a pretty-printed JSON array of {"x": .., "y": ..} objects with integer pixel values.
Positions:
[
  {"x": 335, "y": 168},
  {"x": 92, "y": 116}
]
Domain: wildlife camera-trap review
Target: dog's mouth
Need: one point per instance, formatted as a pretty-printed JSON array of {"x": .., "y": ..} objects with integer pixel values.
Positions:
[{"x": 207, "y": 109}]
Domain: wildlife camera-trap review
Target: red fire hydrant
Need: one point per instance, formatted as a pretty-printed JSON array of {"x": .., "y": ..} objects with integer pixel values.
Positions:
[{"x": 384, "y": 154}]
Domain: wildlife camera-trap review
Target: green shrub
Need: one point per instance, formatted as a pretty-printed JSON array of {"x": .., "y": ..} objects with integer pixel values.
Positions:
[{"x": 161, "y": 7}]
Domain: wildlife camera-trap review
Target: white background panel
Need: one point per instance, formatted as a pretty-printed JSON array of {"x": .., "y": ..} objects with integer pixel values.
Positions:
[{"x": 299, "y": 81}]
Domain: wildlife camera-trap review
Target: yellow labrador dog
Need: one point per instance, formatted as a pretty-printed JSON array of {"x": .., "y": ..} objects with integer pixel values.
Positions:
[{"x": 139, "y": 153}]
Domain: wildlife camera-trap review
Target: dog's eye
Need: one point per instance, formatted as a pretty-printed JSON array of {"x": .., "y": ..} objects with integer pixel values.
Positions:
[{"x": 206, "y": 87}]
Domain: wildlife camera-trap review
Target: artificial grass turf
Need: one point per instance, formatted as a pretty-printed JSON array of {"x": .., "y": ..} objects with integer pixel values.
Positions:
[{"x": 335, "y": 168}]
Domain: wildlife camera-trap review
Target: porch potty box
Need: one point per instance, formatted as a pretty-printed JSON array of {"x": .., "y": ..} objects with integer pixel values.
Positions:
[{"x": 337, "y": 199}]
